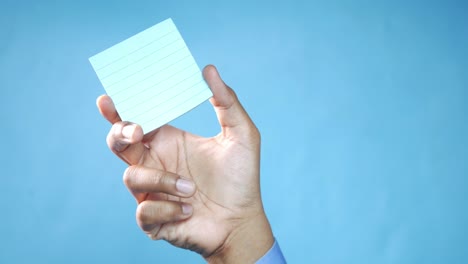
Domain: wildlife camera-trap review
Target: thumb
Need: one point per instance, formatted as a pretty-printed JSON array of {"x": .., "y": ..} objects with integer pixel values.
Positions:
[{"x": 234, "y": 120}]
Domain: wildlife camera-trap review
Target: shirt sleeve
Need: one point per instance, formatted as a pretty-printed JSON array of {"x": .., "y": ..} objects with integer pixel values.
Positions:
[{"x": 273, "y": 256}]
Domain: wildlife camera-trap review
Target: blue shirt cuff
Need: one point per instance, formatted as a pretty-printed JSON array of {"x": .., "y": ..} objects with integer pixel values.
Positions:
[{"x": 273, "y": 256}]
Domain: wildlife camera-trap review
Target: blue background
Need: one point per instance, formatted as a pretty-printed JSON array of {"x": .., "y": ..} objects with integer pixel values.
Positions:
[{"x": 362, "y": 107}]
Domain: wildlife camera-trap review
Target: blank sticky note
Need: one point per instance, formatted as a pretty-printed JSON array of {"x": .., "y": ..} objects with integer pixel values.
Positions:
[{"x": 151, "y": 77}]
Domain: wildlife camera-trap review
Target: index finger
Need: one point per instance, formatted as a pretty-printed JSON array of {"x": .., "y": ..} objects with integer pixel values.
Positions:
[
  {"x": 128, "y": 147},
  {"x": 107, "y": 109}
]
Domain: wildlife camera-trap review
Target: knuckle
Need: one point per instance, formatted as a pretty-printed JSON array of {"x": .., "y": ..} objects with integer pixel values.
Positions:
[
  {"x": 160, "y": 211},
  {"x": 232, "y": 95},
  {"x": 152, "y": 236},
  {"x": 114, "y": 138},
  {"x": 118, "y": 146},
  {"x": 149, "y": 213},
  {"x": 110, "y": 139},
  {"x": 143, "y": 213},
  {"x": 128, "y": 176},
  {"x": 164, "y": 179},
  {"x": 253, "y": 135},
  {"x": 157, "y": 177},
  {"x": 156, "y": 234},
  {"x": 231, "y": 91}
]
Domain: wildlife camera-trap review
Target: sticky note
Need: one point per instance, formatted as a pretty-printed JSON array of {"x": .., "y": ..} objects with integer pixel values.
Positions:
[{"x": 152, "y": 77}]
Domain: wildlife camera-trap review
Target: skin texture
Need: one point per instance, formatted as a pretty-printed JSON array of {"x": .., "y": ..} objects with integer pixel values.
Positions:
[{"x": 197, "y": 193}]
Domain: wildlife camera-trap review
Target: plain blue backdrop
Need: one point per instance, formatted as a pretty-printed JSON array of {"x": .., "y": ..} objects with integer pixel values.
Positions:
[{"x": 362, "y": 106}]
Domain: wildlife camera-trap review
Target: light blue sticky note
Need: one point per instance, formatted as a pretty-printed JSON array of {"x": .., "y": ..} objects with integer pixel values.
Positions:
[{"x": 151, "y": 77}]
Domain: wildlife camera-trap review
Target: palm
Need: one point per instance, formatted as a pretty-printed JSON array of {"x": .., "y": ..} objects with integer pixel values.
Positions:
[{"x": 210, "y": 163}]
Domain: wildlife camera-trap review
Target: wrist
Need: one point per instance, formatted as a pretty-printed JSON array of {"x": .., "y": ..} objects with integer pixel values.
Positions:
[{"x": 247, "y": 243}]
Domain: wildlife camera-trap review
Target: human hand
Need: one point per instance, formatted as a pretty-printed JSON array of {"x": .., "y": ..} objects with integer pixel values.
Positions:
[{"x": 197, "y": 193}]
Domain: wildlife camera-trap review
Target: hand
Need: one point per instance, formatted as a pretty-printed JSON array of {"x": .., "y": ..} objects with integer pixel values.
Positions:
[{"x": 201, "y": 194}]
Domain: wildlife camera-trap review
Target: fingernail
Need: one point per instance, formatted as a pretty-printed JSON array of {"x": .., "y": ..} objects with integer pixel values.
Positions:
[
  {"x": 127, "y": 131},
  {"x": 185, "y": 186},
  {"x": 187, "y": 209}
]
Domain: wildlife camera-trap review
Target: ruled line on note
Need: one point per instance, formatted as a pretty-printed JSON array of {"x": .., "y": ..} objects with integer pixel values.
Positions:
[
  {"x": 173, "y": 73},
  {"x": 143, "y": 90},
  {"x": 151, "y": 75},
  {"x": 159, "y": 92},
  {"x": 142, "y": 58},
  {"x": 132, "y": 52},
  {"x": 167, "y": 99}
]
